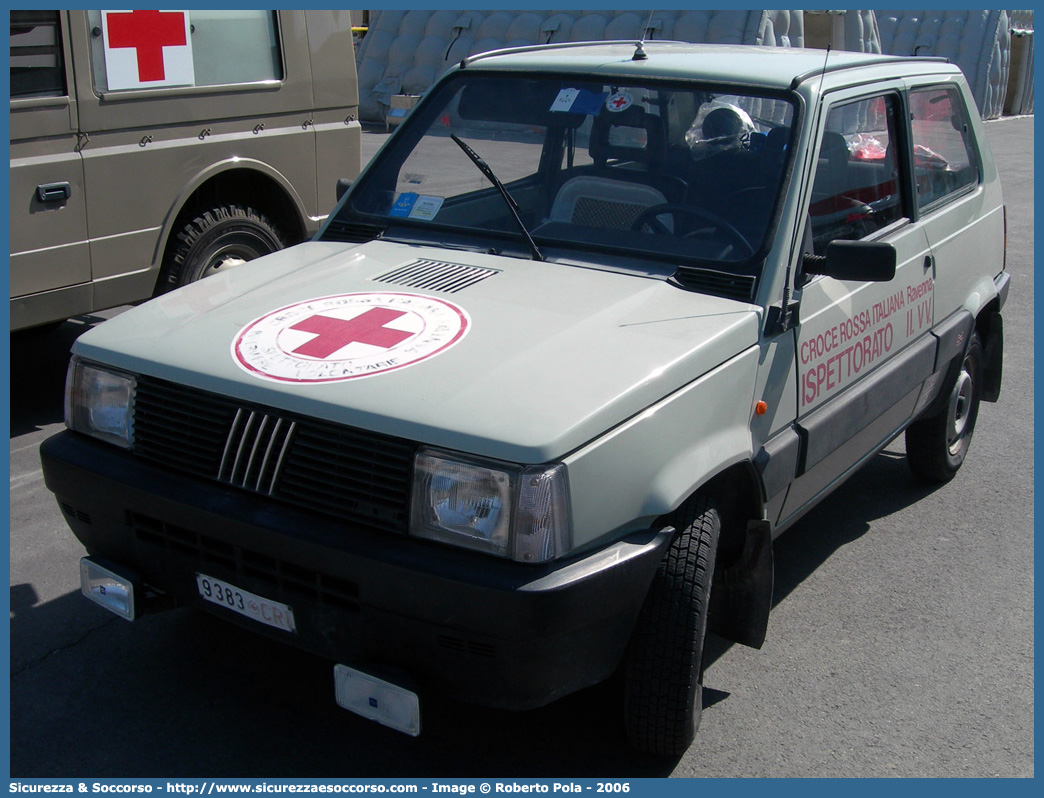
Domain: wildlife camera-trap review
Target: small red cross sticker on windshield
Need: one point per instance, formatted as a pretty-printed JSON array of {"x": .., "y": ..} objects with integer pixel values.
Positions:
[
  {"x": 333, "y": 334},
  {"x": 148, "y": 32}
]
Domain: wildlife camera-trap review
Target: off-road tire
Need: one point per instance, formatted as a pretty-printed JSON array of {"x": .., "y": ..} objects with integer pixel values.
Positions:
[
  {"x": 217, "y": 239},
  {"x": 663, "y": 691},
  {"x": 937, "y": 445}
]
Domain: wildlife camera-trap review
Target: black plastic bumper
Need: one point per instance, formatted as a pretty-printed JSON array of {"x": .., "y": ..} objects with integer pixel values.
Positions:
[{"x": 484, "y": 630}]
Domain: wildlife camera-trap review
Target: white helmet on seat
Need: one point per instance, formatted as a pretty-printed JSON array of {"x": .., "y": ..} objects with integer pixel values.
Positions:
[{"x": 719, "y": 127}]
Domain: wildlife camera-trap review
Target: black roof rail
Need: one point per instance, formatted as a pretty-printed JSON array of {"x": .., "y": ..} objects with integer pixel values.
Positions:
[
  {"x": 835, "y": 67},
  {"x": 557, "y": 46}
]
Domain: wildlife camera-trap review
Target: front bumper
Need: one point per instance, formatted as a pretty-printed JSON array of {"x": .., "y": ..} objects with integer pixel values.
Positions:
[{"x": 492, "y": 632}]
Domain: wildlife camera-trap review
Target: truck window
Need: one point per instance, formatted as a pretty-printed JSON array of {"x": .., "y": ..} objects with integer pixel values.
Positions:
[
  {"x": 155, "y": 49},
  {"x": 856, "y": 188},
  {"x": 945, "y": 160},
  {"x": 37, "y": 69}
]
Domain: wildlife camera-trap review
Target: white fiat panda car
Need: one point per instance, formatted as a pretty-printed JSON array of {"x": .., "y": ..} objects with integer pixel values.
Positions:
[{"x": 596, "y": 325}]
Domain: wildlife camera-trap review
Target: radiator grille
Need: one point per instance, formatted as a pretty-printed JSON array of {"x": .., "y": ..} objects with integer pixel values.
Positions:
[
  {"x": 255, "y": 449},
  {"x": 350, "y": 474}
]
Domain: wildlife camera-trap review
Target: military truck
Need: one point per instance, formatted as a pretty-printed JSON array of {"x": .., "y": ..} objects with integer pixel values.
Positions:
[{"x": 150, "y": 149}]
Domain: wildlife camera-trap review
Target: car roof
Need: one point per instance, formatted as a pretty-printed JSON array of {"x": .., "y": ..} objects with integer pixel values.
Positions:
[{"x": 750, "y": 65}]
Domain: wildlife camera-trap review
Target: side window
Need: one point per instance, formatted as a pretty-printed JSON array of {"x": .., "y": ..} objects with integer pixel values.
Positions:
[
  {"x": 856, "y": 187},
  {"x": 945, "y": 158},
  {"x": 37, "y": 67},
  {"x": 159, "y": 49}
]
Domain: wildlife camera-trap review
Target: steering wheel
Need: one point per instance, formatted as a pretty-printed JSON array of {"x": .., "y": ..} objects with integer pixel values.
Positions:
[{"x": 648, "y": 218}]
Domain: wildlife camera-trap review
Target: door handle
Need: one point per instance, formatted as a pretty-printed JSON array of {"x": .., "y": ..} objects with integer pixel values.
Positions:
[
  {"x": 929, "y": 262},
  {"x": 53, "y": 192}
]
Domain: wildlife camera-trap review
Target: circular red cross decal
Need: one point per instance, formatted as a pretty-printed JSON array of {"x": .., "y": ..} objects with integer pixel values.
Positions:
[{"x": 346, "y": 337}]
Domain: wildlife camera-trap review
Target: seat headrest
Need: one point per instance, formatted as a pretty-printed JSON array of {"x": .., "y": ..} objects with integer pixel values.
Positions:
[
  {"x": 834, "y": 147},
  {"x": 629, "y": 135}
]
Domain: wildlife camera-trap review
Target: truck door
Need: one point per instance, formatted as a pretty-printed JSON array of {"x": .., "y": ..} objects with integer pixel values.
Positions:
[
  {"x": 863, "y": 349},
  {"x": 48, "y": 211}
]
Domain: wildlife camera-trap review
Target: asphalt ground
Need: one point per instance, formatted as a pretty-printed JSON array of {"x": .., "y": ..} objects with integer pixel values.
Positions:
[{"x": 901, "y": 641}]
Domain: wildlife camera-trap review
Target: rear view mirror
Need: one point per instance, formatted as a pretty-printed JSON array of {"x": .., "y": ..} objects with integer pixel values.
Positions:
[
  {"x": 868, "y": 261},
  {"x": 343, "y": 184}
]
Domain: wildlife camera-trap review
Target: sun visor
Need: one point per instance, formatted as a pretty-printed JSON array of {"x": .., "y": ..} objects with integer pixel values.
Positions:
[{"x": 524, "y": 102}]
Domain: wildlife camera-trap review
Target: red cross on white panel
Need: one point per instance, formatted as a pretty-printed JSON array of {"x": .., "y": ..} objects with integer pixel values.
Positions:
[{"x": 144, "y": 49}]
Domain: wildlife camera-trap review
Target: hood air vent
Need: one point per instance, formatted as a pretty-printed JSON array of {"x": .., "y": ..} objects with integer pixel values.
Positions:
[
  {"x": 351, "y": 233},
  {"x": 433, "y": 275},
  {"x": 730, "y": 286}
]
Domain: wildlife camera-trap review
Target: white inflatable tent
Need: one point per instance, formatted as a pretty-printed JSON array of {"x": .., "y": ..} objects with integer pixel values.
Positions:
[
  {"x": 978, "y": 41},
  {"x": 405, "y": 51}
]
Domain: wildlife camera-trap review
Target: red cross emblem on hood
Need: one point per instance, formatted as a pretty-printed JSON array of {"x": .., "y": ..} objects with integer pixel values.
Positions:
[
  {"x": 348, "y": 336},
  {"x": 332, "y": 334}
]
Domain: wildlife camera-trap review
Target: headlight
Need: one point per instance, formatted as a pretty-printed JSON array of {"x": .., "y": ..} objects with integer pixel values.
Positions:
[
  {"x": 509, "y": 511},
  {"x": 99, "y": 402}
]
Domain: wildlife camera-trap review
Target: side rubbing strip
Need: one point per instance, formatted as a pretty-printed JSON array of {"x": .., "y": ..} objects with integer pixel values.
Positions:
[{"x": 776, "y": 462}]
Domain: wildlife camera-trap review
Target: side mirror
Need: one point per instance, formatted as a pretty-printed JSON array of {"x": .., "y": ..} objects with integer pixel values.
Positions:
[
  {"x": 867, "y": 261},
  {"x": 343, "y": 184}
]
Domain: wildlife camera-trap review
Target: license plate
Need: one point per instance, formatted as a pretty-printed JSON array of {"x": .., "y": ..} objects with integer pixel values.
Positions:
[{"x": 260, "y": 609}]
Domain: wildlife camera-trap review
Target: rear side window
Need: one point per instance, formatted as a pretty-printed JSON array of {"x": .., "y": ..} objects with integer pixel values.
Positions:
[
  {"x": 856, "y": 188},
  {"x": 945, "y": 158},
  {"x": 37, "y": 67},
  {"x": 171, "y": 49}
]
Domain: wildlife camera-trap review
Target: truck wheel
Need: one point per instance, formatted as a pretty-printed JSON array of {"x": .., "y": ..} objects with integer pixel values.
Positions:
[
  {"x": 663, "y": 691},
  {"x": 216, "y": 240},
  {"x": 937, "y": 445}
]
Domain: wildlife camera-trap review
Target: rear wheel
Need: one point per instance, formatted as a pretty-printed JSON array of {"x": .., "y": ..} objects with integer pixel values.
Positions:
[
  {"x": 217, "y": 240},
  {"x": 663, "y": 697},
  {"x": 937, "y": 445}
]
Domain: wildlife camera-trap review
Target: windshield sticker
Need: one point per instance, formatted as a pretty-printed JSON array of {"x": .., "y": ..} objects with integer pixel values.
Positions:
[
  {"x": 620, "y": 101},
  {"x": 337, "y": 338},
  {"x": 578, "y": 101},
  {"x": 565, "y": 99},
  {"x": 404, "y": 204},
  {"x": 426, "y": 207},
  {"x": 411, "y": 205}
]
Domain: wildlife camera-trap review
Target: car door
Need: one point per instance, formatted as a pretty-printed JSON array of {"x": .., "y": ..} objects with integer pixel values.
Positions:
[
  {"x": 962, "y": 222},
  {"x": 49, "y": 247},
  {"x": 862, "y": 347}
]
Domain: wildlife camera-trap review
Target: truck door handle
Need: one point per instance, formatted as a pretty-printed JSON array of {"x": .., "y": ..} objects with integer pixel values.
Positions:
[{"x": 53, "y": 192}]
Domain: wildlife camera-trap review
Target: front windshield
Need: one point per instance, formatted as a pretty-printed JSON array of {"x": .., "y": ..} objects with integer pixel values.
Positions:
[{"x": 675, "y": 172}]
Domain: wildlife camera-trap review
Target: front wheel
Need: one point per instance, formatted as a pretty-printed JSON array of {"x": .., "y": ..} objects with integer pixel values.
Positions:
[
  {"x": 663, "y": 697},
  {"x": 937, "y": 445},
  {"x": 217, "y": 240}
]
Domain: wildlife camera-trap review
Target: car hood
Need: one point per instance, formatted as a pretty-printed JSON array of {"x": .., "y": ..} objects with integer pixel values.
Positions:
[{"x": 549, "y": 355}]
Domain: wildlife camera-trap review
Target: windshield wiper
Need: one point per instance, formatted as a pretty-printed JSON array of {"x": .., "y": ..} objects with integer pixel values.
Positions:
[{"x": 512, "y": 205}]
